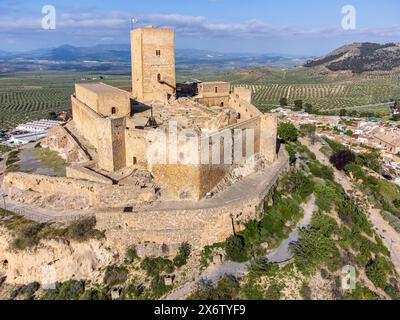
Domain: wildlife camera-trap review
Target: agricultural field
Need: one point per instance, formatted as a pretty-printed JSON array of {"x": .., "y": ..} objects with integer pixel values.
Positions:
[
  {"x": 330, "y": 97},
  {"x": 26, "y": 97},
  {"x": 325, "y": 91},
  {"x": 32, "y": 96}
]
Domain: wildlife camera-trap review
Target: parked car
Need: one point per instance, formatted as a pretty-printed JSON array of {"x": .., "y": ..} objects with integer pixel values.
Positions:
[{"x": 387, "y": 177}]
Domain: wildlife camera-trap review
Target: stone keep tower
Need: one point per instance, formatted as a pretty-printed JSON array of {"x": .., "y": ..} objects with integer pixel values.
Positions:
[{"x": 153, "y": 64}]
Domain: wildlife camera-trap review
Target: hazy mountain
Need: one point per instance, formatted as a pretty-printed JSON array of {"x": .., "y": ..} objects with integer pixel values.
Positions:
[
  {"x": 105, "y": 57},
  {"x": 361, "y": 57}
]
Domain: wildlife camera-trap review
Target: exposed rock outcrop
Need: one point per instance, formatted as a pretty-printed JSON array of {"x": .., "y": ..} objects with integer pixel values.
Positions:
[{"x": 52, "y": 260}]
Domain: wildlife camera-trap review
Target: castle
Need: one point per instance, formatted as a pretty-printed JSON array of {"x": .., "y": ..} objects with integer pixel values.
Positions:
[
  {"x": 163, "y": 163},
  {"x": 119, "y": 124}
]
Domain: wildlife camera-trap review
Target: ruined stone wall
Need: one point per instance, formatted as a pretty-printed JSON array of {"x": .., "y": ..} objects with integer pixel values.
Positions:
[
  {"x": 136, "y": 147},
  {"x": 246, "y": 109},
  {"x": 200, "y": 227},
  {"x": 83, "y": 173},
  {"x": 252, "y": 124},
  {"x": 268, "y": 136},
  {"x": 111, "y": 145},
  {"x": 243, "y": 93},
  {"x": 214, "y": 101},
  {"x": 59, "y": 140},
  {"x": 153, "y": 64},
  {"x": 85, "y": 120},
  {"x": 213, "y": 93},
  {"x": 96, "y": 194},
  {"x": 266, "y": 128},
  {"x": 214, "y": 89}
]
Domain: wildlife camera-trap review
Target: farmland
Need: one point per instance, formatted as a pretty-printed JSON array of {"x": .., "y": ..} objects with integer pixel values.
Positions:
[
  {"x": 32, "y": 96},
  {"x": 26, "y": 97},
  {"x": 330, "y": 97},
  {"x": 325, "y": 91}
]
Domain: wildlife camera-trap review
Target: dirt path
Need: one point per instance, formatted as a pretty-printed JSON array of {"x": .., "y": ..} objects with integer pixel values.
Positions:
[
  {"x": 281, "y": 254},
  {"x": 390, "y": 237}
]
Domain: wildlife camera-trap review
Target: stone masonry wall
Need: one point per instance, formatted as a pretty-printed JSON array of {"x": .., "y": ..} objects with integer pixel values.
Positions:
[
  {"x": 98, "y": 195},
  {"x": 153, "y": 60},
  {"x": 82, "y": 173},
  {"x": 200, "y": 227},
  {"x": 85, "y": 120}
]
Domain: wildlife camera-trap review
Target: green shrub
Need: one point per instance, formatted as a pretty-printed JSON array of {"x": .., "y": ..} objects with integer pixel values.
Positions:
[
  {"x": 327, "y": 196},
  {"x": 183, "y": 255},
  {"x": 297, "y": 182},
  {"x": 235, "y": 249},
  {"x": 83, "y": 230},
  {"x": 27, "y": 291},
  {"x": 377, "y": 271},
  {"x": 292, "y": 153},
  {"x": 335, "y": 146},
  {"x": 274, "y": 292},
  {"x": 316, "y": 247},
  {"x": 321, "y": 171},
  {"x": 131, "y": 254},
  {"x": 355, "y": 170},
  {"x": 155, "y": 266},
  {"x": 115, "y": 275},
  {"x": 69, "y": 290},
  {"x": 158, "y": 287},
  {"x": 287, "y": 132},
  {"x": 226, "y": 289},
  {"x": 27, "y": 236}
]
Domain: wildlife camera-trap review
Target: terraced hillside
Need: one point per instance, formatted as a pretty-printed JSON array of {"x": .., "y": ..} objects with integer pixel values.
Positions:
[
  {"x": 27, "y": 97},
  {"x": 32, "y": 96},
  {"x": 327, "y": 97},
  {"x": 324, "y": 90}
]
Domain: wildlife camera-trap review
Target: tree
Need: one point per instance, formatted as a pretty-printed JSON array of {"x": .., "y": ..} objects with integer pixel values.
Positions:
[
  {"x": 298, "y": 105},
  {"x": 308, "y": 108},
  {"x": 183, "y": 255},
  {"x": 309, "y": 131},
  {"x": 235, "y": 249},
  {"x": 287, "y": 132},
  {"x": 342, "y": 158},
  {"x": 343, "y": 112},
  {"x": 283, "y": 102},
  {"x": 349, "y": 133},
  {"x": 395, "y": 109}
]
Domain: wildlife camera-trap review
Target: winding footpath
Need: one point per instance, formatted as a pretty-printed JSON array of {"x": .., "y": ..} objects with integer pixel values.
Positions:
[
  {"x": 389, "y": 236},
  {"x": 278, "y": 255}
]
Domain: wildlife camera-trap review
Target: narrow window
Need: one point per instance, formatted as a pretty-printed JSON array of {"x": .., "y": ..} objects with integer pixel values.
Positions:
[
  {"x": 113, "y": 110},
  {"x": 134, "y": 161},
  {"x": 216, "y": 89},
  {"x": 158, "y": 53},
  {"x": 222, "y": 104},
  {"x": 159, "y": 77}
]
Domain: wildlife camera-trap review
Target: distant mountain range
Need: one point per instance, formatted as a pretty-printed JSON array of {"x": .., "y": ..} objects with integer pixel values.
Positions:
[
  {"x": 361, "y": 57},
  {"x": 117, "y": 57}
]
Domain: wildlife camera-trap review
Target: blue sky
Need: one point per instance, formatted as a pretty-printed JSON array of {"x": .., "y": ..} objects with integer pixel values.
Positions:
[{"x": 298, "y": 27}]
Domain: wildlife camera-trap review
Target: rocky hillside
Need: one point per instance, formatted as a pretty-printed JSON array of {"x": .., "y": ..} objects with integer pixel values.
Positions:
[{"x": 361, "y": 57}]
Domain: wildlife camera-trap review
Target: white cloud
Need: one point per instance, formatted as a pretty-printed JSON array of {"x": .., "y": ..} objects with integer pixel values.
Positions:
[{"x": 184, "y": 25}]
